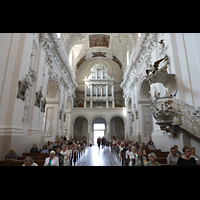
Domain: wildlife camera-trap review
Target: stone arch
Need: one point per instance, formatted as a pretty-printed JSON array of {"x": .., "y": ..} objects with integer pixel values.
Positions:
[
  {"x": 80, "y": 115},
  {"x": 80, "y": 128},
  {"x": 145, "y": 115},
  {"x": 95, "y": 116},
  {"x": 98, "y": 120},
  {"x": 102, "y": 61},
  {"x": 117, "y": 115},
  {"x": 117, "y": 127},
  {"x": 144, "y": 90}
]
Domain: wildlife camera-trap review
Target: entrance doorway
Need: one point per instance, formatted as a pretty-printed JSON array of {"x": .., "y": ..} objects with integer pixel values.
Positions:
[{"x": 99, "y": 130}]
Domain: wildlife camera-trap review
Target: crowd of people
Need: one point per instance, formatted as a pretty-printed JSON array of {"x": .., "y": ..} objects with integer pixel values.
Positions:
[
  {"x": 188, "y": 158},
  {"x": 135, "y": 153},
  {"x": 60, "y": 152}
]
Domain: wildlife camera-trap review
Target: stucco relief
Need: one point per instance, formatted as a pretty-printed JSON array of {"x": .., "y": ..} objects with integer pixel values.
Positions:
[
  {"x": 31, "y": 78},
  {"x": 49, "y": 122},
  {"x": 147, "y": 120},
  {"x": 51, "y": 89}
]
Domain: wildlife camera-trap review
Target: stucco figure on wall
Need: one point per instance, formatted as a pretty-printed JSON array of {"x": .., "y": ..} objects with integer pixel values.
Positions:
[
  {"x": 49, "y": 122},
  {"x": 38, "y": 97},
  {"x": 162, "y": 49},
  {"x": 22, "y": 87},
  {"x": 152, "y": 69},
  {"x": 60, "y": 112},
  {"x": 43, "y": 104}
]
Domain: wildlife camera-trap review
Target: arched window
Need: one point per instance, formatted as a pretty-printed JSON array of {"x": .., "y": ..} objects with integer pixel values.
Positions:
[
  {"x": 58, "y": 34},
  {"x": 127, "y": 57}
]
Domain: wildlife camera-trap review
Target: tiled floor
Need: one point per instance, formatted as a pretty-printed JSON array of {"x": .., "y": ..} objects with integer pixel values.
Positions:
[{"x": 95, "y": 156}]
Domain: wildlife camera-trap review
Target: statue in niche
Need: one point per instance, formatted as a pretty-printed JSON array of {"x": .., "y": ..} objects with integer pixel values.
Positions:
[
  {"x": 132, "y": 117},
  {"x": 43, "y": 104},
  {"x": 49, "y": 122},
  {"x": 64, "y": 116},
  {"x": 136, "y": 114},
  {"x": 38, "y": 97},
  {"x": 22, "y": 87},
  {"x": 60, "y": 112}
]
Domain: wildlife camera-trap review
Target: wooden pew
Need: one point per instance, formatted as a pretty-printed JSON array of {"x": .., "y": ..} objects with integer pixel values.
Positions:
[
  {"x": 11, "y": 163},
  {"x": 19, "y": 162},
  {"x": 34, "y": 157},
  {"x": 35, "y": 154}
]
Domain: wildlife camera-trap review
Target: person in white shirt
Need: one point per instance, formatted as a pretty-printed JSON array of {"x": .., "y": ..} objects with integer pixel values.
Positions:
[
  {"x": 133, "y": 156},
  {"x": 52, "y": 160},
  {"x": 66, "y": 154},
  {"x": 172, "y": 157},
  {"x": 128, "y": 153},
  {"x": 28, "y": 161}
]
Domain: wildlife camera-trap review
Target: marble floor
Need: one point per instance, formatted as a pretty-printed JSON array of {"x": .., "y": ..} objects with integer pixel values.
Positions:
[{"x": 95, "y": 156}]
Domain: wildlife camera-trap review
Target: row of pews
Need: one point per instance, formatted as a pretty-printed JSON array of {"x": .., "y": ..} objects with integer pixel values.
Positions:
[
  {"x": 161, "y": 156},
  {"x": 39, "y": 158}
]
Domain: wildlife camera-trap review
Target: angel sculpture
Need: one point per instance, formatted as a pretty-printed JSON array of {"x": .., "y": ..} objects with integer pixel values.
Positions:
[{"x": 155, "y": 66}]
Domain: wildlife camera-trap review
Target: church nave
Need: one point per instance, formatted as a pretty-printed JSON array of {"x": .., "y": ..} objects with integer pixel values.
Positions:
[
  {"x": 139, "y": 86},
  {"x": 95, "y": 156}
]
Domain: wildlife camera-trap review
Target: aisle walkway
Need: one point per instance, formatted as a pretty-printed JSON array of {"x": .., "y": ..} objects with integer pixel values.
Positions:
[{"x": 95, "y": 156}]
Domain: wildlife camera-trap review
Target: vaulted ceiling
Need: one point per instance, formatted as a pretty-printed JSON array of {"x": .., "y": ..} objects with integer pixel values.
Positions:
[{"x": 80, "y": 47}]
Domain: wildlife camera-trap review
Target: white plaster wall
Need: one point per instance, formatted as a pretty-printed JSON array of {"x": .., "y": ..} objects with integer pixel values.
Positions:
[{"x": 15, "y": 54}]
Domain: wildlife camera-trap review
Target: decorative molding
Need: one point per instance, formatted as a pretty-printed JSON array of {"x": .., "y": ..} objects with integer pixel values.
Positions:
[
  {"x": 143, "y": 52},
  {"x": 38, "y": 97},
  {"x": 49, "y": 122},
  {"x": 54, "y": 54}
]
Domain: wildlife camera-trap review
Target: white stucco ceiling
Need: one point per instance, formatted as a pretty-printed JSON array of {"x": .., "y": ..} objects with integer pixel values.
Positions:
[{"x": 79, "y": 44}]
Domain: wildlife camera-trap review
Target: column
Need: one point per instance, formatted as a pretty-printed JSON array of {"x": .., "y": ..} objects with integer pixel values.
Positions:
[
  {"x": 108, "y": 131},
  {"x": 91, "y": 87},
  {"x": 71, "y": 135},
  {"x": 91, "y": 103},
  {"x": 106, "y": 103},
  {"x": 88, "y": 137},
  {"x": 125, "y": 130},
  {"x": 85, "y": 103},
  {"x": 101, "y": 74},
  {"x": 96, "y": 91},
  {"x": 101, "y": 91},
  {"x": 106, "y": 91},
  {"x": 113, "y": 103},
  {"x": 112, "y": 91},
  {"x": 85, "y": 90}
]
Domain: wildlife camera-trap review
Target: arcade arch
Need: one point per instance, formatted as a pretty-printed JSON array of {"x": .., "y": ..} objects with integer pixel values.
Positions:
[
  {"x": 117, "y": 129},
  {"x": 145, "y": 110},
  {"x": 80, "y": 128}
]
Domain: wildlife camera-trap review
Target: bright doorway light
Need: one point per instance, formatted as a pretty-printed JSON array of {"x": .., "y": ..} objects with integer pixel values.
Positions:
[
  {"x": 99, "y": 126},
  {"x": 98, "y": 134},
  {"x": 58, "y": 34}
]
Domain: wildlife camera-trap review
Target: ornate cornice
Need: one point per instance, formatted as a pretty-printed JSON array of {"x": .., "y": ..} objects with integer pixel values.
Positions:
[
  {"x": 144, "y": 49},
  {"x": 51, "y": 45}
]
